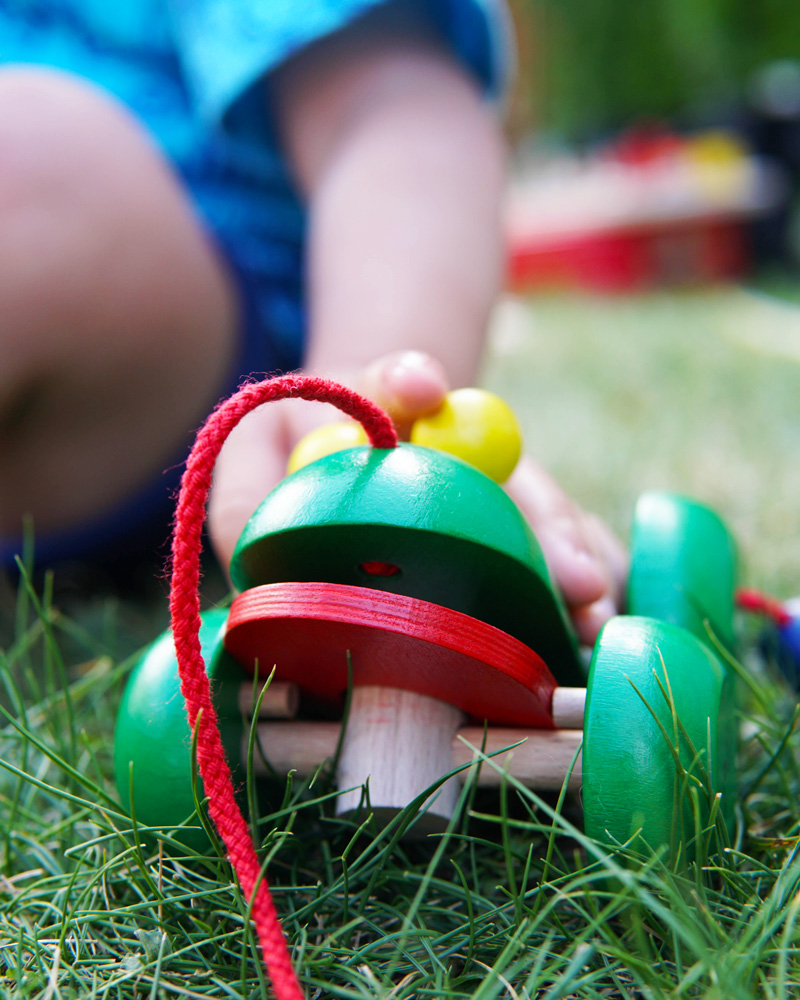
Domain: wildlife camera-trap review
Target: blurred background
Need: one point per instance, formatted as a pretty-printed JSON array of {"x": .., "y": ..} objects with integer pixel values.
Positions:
[{"x": 650, "y": 336}]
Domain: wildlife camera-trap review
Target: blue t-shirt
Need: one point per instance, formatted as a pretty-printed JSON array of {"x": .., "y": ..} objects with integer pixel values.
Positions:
[{"x": 188, "y": 69}]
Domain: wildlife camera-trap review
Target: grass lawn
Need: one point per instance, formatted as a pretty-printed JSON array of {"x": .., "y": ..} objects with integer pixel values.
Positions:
[{"x": 695, "y": 392}]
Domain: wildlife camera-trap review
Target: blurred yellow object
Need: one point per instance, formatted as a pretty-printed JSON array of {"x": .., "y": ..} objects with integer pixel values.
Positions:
[
  {"x": 324, "y": 441},
  {"x": 715, "y": 148},
  {"x": 718, "y": 164},
  {"x": 476, "y": 426}
]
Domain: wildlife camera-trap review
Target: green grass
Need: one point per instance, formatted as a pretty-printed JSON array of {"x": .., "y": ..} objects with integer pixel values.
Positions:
[
  {"x": 697, "y": 392},
  {"x": 513, "y": 901}
]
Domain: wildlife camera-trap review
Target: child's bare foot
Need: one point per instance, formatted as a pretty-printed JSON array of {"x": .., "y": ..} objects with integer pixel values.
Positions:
[{"x": 587, "y": 561}]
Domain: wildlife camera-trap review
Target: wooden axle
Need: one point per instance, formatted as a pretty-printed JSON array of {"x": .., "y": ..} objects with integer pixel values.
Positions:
[
  {"x": 418, "y": 739},
  {"x": 541, "y": 761},
  {"x": 281, "y": 700}
]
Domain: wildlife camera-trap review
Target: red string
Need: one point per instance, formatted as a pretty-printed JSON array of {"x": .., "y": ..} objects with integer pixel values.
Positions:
[
  {"x": 185, "y": 612},
  {"x": 750, "y": 599}
]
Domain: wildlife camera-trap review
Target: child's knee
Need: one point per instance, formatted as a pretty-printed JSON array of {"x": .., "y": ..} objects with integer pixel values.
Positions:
[
  {"x": 108, "y": 288},
  {"x": 97, "y": 237}
]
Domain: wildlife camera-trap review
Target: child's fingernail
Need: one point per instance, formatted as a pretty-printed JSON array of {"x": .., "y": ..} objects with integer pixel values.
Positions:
[{"x": 411, "y": 361}]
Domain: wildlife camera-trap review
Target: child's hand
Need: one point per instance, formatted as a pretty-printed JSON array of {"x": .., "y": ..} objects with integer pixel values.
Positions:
[
  {"x": 587, "y": 561},
  {"x": 407, "y": 384}
]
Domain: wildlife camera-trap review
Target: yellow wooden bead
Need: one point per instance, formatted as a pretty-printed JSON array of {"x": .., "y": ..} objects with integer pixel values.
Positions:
[
  {"x": 476, "y": 426},
  {"x": 324, "y": 441}
]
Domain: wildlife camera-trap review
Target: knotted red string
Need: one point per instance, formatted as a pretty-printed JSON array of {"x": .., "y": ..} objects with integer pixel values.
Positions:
[{"x": 185, "y": 612}]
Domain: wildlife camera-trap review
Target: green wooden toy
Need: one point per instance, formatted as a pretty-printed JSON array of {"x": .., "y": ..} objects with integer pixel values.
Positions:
[
  {"x": 425, "y": 573},
  {"x": 449, "y": 534}
]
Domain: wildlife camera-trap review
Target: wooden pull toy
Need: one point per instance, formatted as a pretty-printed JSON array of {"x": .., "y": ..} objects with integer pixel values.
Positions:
[{"x": 412, "y": 577}]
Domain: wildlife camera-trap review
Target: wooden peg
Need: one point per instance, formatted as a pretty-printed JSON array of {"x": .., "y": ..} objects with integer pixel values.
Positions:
[{"x": 398, "y": 743}]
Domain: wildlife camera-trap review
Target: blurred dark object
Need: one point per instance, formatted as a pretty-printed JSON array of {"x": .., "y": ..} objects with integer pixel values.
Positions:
[{"x": 772, "y": 127}]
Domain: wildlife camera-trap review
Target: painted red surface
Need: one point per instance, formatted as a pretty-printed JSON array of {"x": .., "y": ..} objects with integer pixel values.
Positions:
[{"x": 305, "y": 631}]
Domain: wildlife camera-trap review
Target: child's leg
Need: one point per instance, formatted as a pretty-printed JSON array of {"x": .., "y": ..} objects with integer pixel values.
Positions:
[{"x": 117, "y": 319}]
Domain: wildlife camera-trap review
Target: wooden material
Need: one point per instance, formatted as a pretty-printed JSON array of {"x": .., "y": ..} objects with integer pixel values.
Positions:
[
  {"x": 279, "y": 701},
  {"x": 644, "y": 673},
  {"x": 456, "y": 538},
  {"x": 305, "y": 632},
  {"x": 568, "y": 706},
  {"x": 398, "y": 744},
  {"x": 542, "y": 761}
]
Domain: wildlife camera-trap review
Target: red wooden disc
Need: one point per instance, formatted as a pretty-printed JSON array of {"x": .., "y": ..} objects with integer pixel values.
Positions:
[{"x": 305, "y": 630}]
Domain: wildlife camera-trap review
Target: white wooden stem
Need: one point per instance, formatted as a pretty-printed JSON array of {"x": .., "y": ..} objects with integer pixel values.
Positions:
[{"x": 398, "y": 743}]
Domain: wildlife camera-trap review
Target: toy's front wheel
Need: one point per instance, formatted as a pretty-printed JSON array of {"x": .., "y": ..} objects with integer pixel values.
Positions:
[{"x": 659, "y": 735}]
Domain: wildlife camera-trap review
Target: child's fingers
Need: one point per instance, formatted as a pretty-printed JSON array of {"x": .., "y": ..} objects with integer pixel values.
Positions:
[
  {"x": 607, "y": 548},
  {"x": 587, "y": 561},
  {"x": 407, "y": 384},
  {"x": 252, "y": 461}
]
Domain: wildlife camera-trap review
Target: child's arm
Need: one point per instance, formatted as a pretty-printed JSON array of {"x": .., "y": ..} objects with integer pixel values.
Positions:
[{"x": 403, "y": 168}]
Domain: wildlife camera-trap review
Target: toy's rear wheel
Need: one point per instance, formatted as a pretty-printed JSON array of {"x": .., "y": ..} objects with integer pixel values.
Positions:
[
  {"x": 683, "y": 566},
  {"x": 658, "y": 735},
  {"x": 153, "y": 742}
]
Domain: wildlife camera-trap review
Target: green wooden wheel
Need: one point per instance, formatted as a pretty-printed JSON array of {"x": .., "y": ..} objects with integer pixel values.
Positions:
[
  {"x": 416, "y": 522},
  {"x": 683, "y": 566},
  {"x": 659, "y": 720},
  {"x": 153, "y": 742}
]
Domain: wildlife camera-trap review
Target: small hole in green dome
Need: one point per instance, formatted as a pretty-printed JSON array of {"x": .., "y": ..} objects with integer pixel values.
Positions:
[{"x": 377, "y": 568}]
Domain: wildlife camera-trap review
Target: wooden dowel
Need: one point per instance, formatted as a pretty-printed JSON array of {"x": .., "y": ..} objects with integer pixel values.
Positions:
[
  {"x": 280, "y": 700},
  {"x": 541, "y": 762},
  {"x": 293, "y": 746},
  {"x": 568, "y": 707}
]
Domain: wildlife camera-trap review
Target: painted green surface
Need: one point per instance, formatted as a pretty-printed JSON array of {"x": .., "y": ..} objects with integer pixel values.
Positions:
[
  {"x": 459, "y": 541},
  {"x": 683, "y": 566},
  {"x": 153, "y": 744},
  {"x": 645, "y": 673}
]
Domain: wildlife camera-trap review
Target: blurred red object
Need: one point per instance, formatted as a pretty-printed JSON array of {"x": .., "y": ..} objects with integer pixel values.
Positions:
[
  {"x": 651, "y": 210},
  {"x": 634, "y": 258}
]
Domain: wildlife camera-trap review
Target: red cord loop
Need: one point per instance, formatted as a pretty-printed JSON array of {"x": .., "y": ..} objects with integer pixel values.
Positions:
[
  {"x": 749, "y": 599},
  {"x": 185, "y": 613}
]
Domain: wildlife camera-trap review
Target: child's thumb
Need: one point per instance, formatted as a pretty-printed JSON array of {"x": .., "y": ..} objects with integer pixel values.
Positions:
[{"x": 407, "y": 384}]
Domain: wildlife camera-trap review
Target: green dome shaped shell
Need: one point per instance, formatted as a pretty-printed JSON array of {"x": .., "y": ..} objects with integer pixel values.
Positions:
[{"x": 412, "y": 521}]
